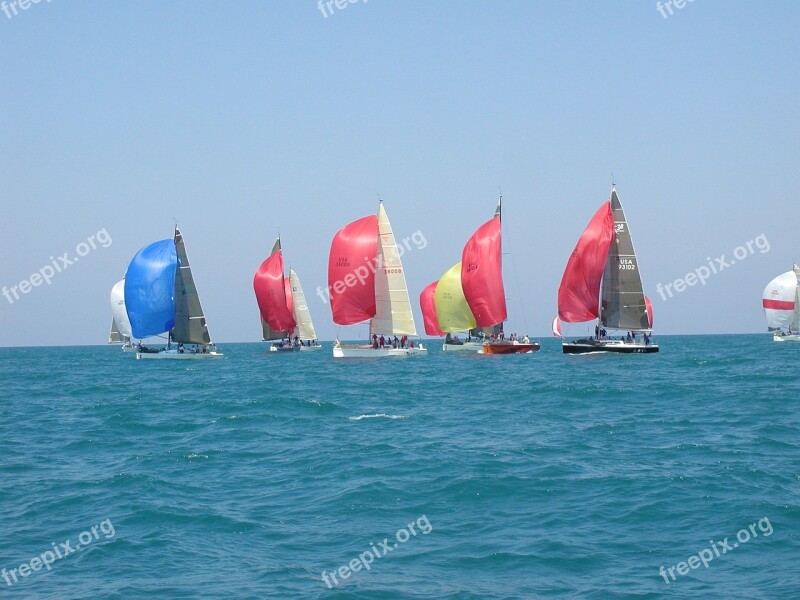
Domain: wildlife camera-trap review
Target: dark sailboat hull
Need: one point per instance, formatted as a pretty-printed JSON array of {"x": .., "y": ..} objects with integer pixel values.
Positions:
[{"x": 587, "y": 346}]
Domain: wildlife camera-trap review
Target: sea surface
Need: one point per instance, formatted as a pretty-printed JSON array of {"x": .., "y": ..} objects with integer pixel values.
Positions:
[{"x": 460, "y": 476}]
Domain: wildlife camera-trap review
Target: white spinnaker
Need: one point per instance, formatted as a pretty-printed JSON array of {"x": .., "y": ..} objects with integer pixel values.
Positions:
[
  {"x": 118, "y": 308},
  {"x": 305, "y": 327},
  {"x": 393, "y": 306},
  {"x": 780, "y": 301}
]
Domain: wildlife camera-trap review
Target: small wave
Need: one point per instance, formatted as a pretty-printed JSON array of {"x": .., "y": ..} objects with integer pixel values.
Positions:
[{"x": 376, "y": 416}]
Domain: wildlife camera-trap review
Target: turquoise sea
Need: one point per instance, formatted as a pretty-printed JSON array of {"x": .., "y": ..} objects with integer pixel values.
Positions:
[{"x": 525, "y": 476}]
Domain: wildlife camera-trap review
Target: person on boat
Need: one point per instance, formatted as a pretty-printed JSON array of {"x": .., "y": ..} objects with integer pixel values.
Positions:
[
  {"x": 526, "y": 339},
  {"x": 628, "y": 337},
  {"x": 382, "y": 341},
  {"x": 597, "y": 332}
]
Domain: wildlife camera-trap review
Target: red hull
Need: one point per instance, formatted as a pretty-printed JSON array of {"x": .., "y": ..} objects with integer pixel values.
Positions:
[{"x": 501, "y": 348}]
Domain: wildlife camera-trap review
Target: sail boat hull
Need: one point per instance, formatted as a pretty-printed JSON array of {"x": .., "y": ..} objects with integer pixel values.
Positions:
[
  {"x": 616, "y": 346},
  {"x": 281, "y": 348},
  {"x": 173, "y": 354},
  {"x": 367, "y": 351},
  {"x": 509, "y": 348},
  {"x": 312, "y": 348},
  {"x": 794, "y": 337},
  {"x": 462, "y": 347}
]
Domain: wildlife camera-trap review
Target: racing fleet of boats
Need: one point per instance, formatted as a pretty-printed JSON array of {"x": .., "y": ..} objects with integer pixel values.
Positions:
[{"x": 601, "y": 284}]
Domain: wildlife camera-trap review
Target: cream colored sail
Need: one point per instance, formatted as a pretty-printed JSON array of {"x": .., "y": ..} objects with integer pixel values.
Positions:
[
  {"x": 393, "y": 306},
  {"x": 305, "y": 327}
]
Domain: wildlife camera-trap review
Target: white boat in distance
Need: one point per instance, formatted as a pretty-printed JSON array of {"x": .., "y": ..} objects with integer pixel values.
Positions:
[
  {"x": 781, "y": 302},
  {"x": 120, "y": 325}
]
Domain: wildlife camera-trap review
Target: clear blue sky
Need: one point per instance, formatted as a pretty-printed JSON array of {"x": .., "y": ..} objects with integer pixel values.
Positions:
[{"x": 239, "y": 119}]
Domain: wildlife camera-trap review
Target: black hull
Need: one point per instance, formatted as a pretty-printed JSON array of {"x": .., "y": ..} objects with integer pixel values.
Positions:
[{"x": 587, "y": 346}]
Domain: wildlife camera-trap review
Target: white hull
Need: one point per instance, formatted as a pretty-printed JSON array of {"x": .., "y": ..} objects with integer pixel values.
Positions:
[
  {"x": 795, "y": 337},
  {"x": 347, "y": 351},
  {"x": 129, "y": 348},
  {"x": 465, "y": 347},
  {"x": 175, "y": 355},
  {"x": 310, "y": 348}
]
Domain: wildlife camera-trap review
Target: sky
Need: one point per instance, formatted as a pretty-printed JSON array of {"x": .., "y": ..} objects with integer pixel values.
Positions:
[{"x": 240, "y": 120}]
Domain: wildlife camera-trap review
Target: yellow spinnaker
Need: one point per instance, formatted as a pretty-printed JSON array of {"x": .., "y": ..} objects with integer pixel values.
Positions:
[{"x": 452, "y": 310}]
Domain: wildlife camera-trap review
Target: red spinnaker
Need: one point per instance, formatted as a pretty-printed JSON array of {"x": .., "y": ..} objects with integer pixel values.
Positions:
[
  {"x": 649, "y": 307},
  {"x": 482, "y": 275},
  {"x": 427, "y": 301},
  {"x": 579, "y": 292},
  {"x": 271, "y": 293},
  {"x": 351, "y": 271}
]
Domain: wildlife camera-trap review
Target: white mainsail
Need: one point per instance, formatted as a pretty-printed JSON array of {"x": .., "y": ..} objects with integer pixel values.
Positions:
[
  {"x": 114, "y": 336},
  {"x": 393, "y": 306},
  {"x": 305, "y": 327},
  {"x": 780, "y": 301},
  {"x": 120, "y": 324}
]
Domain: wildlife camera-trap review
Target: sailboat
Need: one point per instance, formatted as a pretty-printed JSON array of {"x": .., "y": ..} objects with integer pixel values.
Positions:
[
  {"x": 482, "y": 282},
  {"x": 445, "y": 312},
  {"x": 781, "y": 301},
  {"x": 120, "y": 325},
  {"x": 161, "y": 297},
  {"x": 366, "y": 282},
  {"x": 602, "y": 281},
  {"x": 302, "y": 315},
  {"x": 285, "y": 318}
]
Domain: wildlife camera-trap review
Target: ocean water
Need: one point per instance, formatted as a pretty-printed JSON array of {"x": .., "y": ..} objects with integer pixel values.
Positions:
[{"x": 459, "y": 476}]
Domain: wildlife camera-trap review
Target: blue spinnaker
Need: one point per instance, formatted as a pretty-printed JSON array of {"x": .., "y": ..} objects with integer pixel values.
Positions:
[{"x": 150, "y": 289}]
